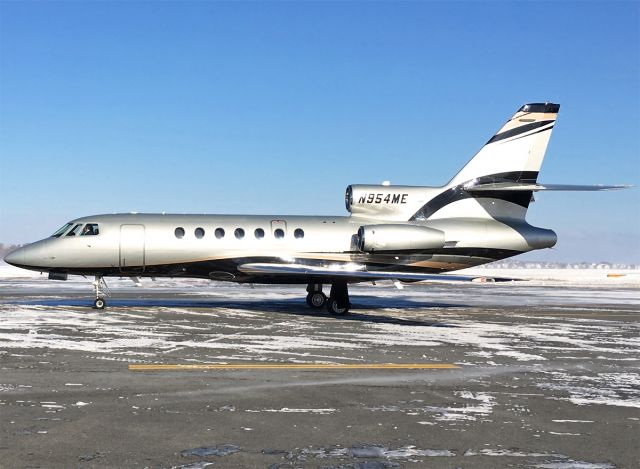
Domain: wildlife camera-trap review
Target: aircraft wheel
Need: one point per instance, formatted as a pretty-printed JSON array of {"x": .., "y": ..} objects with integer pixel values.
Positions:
[
  {"x": 316, "y": 300},
  {"x": 333, "y": 306},
  {"x": 99, "y": 303}
]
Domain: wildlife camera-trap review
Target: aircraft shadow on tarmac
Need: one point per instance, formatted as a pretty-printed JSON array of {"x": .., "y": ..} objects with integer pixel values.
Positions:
[{"x": 291, "y": 306}]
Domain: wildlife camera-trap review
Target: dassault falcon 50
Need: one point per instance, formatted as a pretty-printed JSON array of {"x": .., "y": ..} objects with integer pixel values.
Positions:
[{"x": 403, "y": 233}]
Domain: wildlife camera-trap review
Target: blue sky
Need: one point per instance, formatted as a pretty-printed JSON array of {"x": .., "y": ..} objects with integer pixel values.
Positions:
[{"x": 210, "y": 107}]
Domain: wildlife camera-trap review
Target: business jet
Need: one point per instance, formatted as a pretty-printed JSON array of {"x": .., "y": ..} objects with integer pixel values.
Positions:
[{"x": 402, "y": 233}]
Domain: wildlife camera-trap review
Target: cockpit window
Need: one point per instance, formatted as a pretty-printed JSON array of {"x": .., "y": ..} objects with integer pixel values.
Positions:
[
  {"x": 75, "y": 230},
  {"x": 61, "y": 231},
  {"x": 90, "y": 229}
]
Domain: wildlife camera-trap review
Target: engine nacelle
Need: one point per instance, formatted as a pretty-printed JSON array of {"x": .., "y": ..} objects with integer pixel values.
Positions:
[
  {"x": 374, "y": 238},
  {"x": 357, "y": 195},
  {"x": 385, "y": 202}
]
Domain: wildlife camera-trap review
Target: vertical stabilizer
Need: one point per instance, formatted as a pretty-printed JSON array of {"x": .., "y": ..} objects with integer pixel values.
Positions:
[
  {"x": 516, "y": 151},
  {"x": 513, "y": 155}
]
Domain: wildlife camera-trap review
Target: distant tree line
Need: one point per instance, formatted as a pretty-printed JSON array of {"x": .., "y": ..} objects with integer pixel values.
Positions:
[{"x": 7, "y": 248}]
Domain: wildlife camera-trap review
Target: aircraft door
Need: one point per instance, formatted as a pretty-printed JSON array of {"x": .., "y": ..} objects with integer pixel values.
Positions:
[
  {"x": 132, "y": 249},
  {"x": 278, "y": 228}
]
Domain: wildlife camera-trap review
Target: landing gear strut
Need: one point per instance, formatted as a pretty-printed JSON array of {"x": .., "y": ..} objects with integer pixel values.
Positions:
[
  {"x": 338, "y": 303},
  {"x": 101, "y": 290},
  {"x": 316, "y": 299}
]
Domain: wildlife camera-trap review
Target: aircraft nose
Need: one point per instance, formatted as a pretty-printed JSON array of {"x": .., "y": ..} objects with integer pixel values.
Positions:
[
  {"x": 35, "y": 256},
  {"x": 15, "y": 257}
]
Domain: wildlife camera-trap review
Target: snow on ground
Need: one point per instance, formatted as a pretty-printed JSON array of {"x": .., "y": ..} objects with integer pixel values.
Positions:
[
  {"x": 540, "y": 276},
  {"x": 504, "y": 327},
  {"x": 134, "y": 332},
  {"x": 9, "y": 271}
]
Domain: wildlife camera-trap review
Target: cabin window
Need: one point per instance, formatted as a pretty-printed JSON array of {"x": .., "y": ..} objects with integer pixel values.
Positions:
[
  {"x": 61, "y": 231},
  {"x": 239, "y": 233},
  {"x": 279, "y": 233},
  {"x": 298, "y": 233},
  {"x": 199, "y": 232},
  {"x": 219, "y": 233},
  {"x": 90, "y": 229},
  {"x": 75, "y": 230},
  {"x": 179, "y": 232},
  {"x": 259, "y": 232}
]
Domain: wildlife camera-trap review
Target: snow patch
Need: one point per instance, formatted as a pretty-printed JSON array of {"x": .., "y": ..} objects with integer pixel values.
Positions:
[{"x": 287, "y": 410}]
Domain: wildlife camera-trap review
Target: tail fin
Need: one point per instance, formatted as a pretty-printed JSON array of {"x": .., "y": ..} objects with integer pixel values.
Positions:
[
  {"x": 513, "y": 155},
  {"x": 516, "y": 151}
]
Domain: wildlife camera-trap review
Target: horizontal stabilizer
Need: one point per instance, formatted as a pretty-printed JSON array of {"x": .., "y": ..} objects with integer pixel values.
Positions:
[
  {"x": 521, "y": 186},
  {"x": 353, "y": 272}
]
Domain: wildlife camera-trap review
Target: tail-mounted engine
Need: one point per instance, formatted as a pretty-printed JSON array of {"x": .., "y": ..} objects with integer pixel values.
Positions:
[
  {"x": 375, "y": 238},
  {"x": 385, "y": 202}
]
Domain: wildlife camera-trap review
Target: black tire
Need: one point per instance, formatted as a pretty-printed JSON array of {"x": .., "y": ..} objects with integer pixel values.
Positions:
[
  {"x": 316, "y": 300},
  {"x": 99, "y": 303},
  {"x": 334, "y": 308}
]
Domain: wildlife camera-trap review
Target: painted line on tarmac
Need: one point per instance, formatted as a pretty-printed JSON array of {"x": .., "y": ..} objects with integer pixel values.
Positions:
[{"x": 295, "y": 366}]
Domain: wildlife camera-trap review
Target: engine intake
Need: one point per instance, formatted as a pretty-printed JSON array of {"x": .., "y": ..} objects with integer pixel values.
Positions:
[{"x": 375, "y": 238}]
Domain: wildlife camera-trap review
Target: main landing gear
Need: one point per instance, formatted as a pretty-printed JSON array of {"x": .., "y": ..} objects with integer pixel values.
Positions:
[
  {"x": 101, "y": 290},
  {"x": 315, "y": 298},
  {"x": 338, "y": 302}
]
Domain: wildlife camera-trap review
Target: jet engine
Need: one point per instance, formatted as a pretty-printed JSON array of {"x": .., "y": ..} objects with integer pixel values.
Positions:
[
  {"x": 385, "y": 202},
  {"x": 375, "y": 238}
]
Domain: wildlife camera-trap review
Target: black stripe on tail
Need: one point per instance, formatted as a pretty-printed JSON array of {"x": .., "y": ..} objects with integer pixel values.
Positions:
[
  {"x": 522, "y": 198},
  {"x": 520, "y": 130}
]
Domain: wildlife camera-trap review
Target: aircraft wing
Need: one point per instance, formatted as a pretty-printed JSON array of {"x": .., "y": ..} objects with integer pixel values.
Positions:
[
  {"x": 353, "y": 272},
  {"x": 518, "y": 186}
]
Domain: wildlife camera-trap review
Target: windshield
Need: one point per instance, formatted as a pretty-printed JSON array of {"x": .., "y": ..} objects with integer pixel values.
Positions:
[
  {"x": 75, "y": 230},
  {"x": 61, "y": 231}
]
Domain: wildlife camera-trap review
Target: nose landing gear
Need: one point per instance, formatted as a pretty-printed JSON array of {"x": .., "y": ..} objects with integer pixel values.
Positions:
[{"x": 101, "y": 291}]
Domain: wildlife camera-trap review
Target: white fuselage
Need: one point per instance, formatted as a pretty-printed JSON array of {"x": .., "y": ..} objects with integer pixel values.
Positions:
[{"x": 192, "y": 245}]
